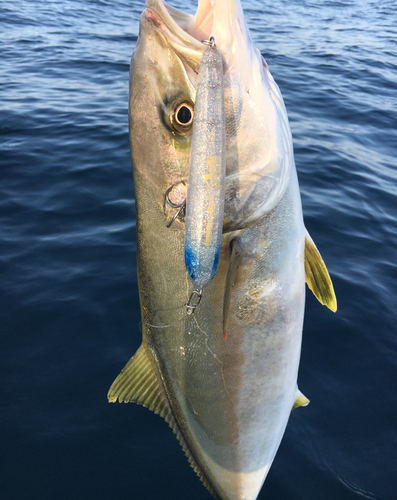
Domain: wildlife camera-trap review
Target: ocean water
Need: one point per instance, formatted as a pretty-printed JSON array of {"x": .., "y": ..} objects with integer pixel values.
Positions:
[{"x": 69, "y": 310}]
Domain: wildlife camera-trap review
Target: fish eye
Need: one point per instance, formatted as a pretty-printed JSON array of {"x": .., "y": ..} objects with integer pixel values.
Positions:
[
  {"x": 184, "y": 114},
  {"x": 179, "y": 115}
]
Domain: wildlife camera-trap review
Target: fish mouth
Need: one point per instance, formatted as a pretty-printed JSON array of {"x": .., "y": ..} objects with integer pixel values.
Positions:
[{"x": 185, "y": 32}]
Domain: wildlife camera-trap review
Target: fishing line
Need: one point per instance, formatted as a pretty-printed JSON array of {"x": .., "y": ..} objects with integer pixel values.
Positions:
[{"x": 165, "y": 326}]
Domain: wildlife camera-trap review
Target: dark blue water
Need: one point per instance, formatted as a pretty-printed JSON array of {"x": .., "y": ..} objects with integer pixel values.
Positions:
[{"x": 69, "y": 301}]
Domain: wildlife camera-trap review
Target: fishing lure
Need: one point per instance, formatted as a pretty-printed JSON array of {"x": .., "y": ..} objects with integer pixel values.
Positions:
[{"x": 206, "y": 190}]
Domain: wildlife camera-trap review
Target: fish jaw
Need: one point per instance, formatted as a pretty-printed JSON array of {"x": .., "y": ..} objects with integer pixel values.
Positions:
[{"x": 225, "y": 21}]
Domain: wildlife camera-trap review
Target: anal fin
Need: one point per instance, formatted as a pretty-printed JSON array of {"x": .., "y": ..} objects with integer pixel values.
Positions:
[
  {"x": 139, "y": 382},
  {"x": 300, "y": 400},
  {"x": 317, "y": 276}
]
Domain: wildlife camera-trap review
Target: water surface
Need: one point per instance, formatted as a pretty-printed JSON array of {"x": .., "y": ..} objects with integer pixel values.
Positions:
[{"x": 69, "y": 310}]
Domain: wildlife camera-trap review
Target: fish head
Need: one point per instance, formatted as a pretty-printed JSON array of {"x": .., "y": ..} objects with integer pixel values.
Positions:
[
  {"x": 166, "y": 61},
  {"x": 160, "y": 91}
]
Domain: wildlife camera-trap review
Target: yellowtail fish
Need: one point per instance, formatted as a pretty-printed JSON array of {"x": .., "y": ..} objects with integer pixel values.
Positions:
[{"x": 225, "y": 377}]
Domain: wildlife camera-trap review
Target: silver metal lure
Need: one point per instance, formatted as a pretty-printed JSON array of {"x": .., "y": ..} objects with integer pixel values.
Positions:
[{"x": 206, "y": 190}]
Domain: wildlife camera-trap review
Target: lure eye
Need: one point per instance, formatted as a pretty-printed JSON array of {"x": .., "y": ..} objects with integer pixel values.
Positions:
[{"x": 179, "y": 116}]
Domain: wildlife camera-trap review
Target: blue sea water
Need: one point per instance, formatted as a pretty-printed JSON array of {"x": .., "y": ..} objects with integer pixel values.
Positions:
[{"x": 69, "y": 311}]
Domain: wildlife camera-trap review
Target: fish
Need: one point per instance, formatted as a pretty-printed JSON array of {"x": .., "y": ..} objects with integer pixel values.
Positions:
[{"x": 224, "y": 377}]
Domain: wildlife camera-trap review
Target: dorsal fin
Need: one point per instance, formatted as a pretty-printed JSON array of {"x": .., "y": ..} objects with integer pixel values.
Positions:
[
  {"x": 317, "y": 277},
  {"x": 231, "y": 274},
  {"x": 300, "y": 400},
  {"x": 139, "y": 382}
]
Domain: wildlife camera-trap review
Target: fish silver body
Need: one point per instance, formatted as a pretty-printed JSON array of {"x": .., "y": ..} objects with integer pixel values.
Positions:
[{"x": 227, "y": 394}]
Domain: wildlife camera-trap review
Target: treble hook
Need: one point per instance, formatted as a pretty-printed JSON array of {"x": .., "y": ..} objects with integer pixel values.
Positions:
[{"x": 180, "y": 206}]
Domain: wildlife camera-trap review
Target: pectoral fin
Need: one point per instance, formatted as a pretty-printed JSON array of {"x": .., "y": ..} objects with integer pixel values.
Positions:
[
  {"x": 300, "y": 400},
  {"x": 317, "y": 277},
  {"x": 140, "y": 383},
  {"x": 231, "y": 274}
]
